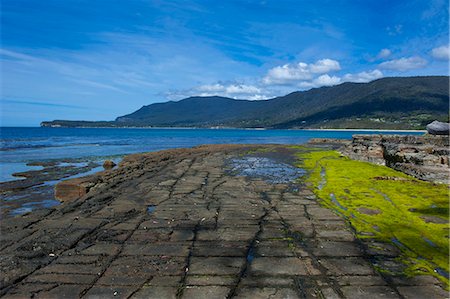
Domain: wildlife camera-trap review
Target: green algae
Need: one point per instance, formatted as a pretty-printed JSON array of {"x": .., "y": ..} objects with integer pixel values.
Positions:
[{"x": 351, "y": 188}]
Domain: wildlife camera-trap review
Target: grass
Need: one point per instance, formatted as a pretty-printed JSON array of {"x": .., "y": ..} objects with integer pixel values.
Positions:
[{"x": 387, "y": 206}]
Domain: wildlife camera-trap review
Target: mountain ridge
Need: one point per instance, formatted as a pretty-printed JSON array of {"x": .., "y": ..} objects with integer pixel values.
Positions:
[{"x": 390, "y": 103}]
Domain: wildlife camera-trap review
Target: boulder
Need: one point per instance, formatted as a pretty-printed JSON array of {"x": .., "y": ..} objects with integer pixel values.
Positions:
[
  {"x": 438, "y": 128},
  {"x": 108, "y": 164},
  {"x": 73, "y": 189}
]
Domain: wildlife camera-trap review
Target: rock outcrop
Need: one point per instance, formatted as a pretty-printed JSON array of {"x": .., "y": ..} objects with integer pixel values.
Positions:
[
  {"x": 73, "y": 189},
  {"x": 438, "y": 128},
  {"x": 424, "y": 157},
  {"x": 108, "y": 164}
]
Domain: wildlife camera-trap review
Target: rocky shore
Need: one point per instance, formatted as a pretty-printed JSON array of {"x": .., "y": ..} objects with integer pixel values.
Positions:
[
  {"x": 424, "y": 157},
  {"x": 190, "y": 223},
  {"x": 34, "y": 189}
]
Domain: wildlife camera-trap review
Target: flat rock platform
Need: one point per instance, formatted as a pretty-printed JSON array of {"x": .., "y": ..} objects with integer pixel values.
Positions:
[{"x": 182, "y": 224}]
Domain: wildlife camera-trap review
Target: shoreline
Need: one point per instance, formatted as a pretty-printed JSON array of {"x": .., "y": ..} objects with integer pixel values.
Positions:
[
  {"x": 231, "y": 128},
  {"x": 368, "y": 130}
]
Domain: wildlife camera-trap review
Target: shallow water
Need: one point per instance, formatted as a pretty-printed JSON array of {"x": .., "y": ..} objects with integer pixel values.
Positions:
[
  {"x": 30, "y": 206},
  {"x": 265, "y": 168},
  {"x": 442, "y": 272},
  {"x": 8, "y": 168},
  {"x": 22, "y": 145},
  {"x": 323, "y": 179},
  {"x": 337, "y": 203},
  {"x": 429, "y": 242}
]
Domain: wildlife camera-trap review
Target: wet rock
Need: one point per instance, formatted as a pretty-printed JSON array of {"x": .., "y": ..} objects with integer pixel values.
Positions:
[
  {"x": 438, "y": 128},
  {"x": 108, "y": 164}
]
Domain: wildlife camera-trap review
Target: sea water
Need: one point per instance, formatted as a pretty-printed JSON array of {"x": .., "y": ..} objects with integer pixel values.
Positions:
[{"x": 20, "y": 146}]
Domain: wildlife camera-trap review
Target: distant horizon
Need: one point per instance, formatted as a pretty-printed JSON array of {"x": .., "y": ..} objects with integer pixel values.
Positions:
[{"x": 95, "y": 60}]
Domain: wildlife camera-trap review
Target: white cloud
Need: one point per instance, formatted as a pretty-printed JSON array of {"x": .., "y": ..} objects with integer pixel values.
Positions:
[
  {"x": 289, "y": 74},
  {"x": 324, "y": 66},
  {"x": 323, "y": 80},
  {"x": 384, "y": 53},
  {"x": 233, "y": 90},
  {"x": 327, "y": 80},
  {"x": 229, "y": 89},
  {"x": 404, "y": 64},
  {"x": 441, "y": 53},
  {"x": 211, "y": 88},
  {"x": 363, "y": 76}
]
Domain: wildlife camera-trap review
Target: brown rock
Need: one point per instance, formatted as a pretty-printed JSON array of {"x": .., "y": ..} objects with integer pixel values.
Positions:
[
  {"x": 108, "y": 164},
  {"x": 72, "y": 189}
]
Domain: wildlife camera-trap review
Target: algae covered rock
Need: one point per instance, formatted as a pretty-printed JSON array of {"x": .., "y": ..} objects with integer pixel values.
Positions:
[{"x": 438, "y": 128}]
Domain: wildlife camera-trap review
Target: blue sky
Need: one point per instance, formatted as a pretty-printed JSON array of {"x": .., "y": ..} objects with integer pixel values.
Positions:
[{"x": 96, "y": 60}]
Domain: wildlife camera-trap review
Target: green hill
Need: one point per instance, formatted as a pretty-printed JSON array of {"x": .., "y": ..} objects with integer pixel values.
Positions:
[{"x": 390, "y": 103}]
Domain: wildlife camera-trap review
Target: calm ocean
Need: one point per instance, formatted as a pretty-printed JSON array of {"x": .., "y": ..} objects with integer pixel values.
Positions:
[{"x": 23, "y": 145}]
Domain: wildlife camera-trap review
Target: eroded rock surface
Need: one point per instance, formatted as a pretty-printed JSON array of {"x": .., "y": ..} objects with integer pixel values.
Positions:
[
  {"x": 424, "y": 157},
  {"x": 175, "y": 224}
]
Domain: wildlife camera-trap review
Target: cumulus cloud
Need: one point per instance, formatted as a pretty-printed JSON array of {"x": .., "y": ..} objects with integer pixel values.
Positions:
[
  {"x": 290, "y": 73},
  {"x": 327, "y": 80},
  {"x": 441, "y": 53},
  {"x": 404, "y": 64},
  {"x": 323, "y": 80},
  {"x": 280, "y": 80},
  {"x": 232, "y": 90},
  {"x": 363, "y": 76},
  {"x": 384, "y": 53},
  {"x": 324, "y": 66}
]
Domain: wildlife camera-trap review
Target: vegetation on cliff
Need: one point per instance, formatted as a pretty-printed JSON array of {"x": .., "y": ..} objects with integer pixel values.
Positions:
[{"x": 386, "y": 206}]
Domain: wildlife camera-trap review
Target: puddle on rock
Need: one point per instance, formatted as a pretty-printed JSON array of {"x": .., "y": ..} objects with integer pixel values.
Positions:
[
  {"x": 151, "y": 209},
  {"x": 385, "y": 197},
  {"x": 265, "y": 168},
  {"x": 442, "y": 272},
  {"x": 398, "y": 243},
  {"x": 250, "y": 254},
  {"x": 323, "y": 179},
  {"x": 336, "y": 202},
  {"x": 30, "y": 206},
  {"x": 429, "y": 242}
]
